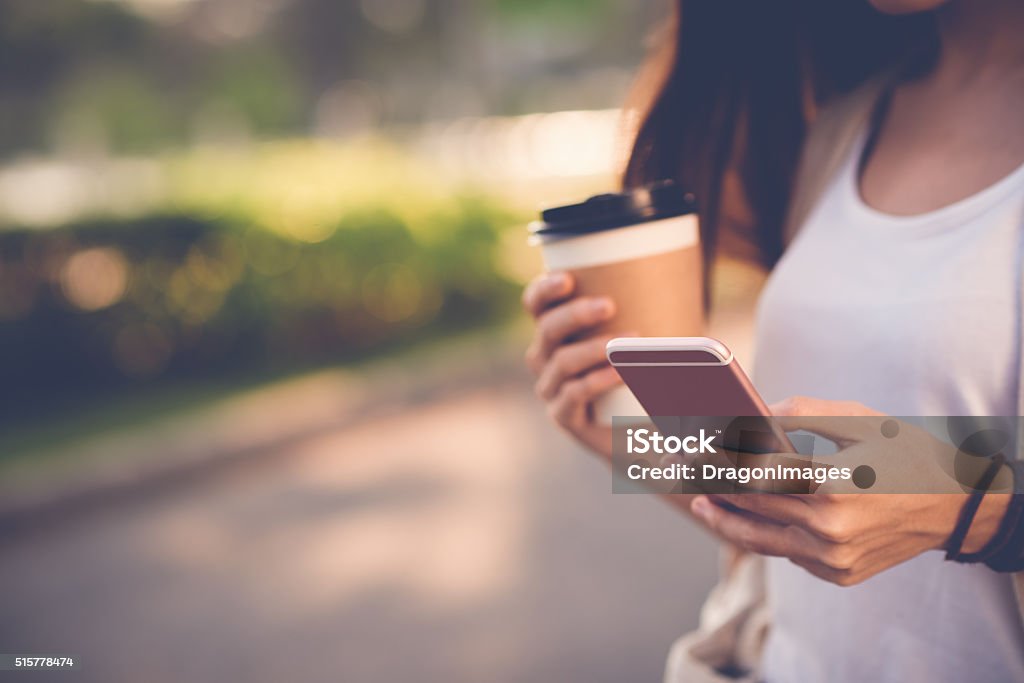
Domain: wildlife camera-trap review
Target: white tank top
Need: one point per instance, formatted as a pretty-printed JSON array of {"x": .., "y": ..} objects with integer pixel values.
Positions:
[{"x": 912, "y": 316}]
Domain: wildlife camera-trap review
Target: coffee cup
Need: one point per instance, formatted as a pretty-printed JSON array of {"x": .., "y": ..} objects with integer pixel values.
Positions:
[{"x": 641, "y": 248}]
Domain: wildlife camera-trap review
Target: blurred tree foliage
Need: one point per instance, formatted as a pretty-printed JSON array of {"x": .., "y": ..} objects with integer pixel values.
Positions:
[
  {"x": 563, "y": 10},
  {"x": 42, "y": 43},
  {"x": 262, "y": 261},
  {"x": 75, "y": 73},
  {"x": 104, "y": 306},
  {"x": 112, "y": 106}
]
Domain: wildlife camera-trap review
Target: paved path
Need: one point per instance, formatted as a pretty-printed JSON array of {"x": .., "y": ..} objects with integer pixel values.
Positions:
[{"x": 461, "y": 541}]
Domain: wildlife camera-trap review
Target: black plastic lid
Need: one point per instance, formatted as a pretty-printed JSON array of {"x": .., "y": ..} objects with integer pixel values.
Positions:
[{"x": 663, "y": 199}]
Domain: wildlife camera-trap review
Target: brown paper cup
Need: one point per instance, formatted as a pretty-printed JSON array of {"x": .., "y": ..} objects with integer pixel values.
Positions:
[{"x": 653, "y": 271}]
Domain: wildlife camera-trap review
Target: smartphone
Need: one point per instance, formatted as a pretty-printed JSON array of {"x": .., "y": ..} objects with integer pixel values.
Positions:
[
  {"x": 694, "y": 376},
  {"x": 697, "y": 377}
]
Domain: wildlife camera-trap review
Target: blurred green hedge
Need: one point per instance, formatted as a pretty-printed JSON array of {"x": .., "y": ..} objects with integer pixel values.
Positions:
[{"x": 103, "y": 306}]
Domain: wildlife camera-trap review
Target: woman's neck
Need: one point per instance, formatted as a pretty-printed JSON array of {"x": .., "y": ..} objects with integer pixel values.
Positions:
[{"x": 980, "y": 38}]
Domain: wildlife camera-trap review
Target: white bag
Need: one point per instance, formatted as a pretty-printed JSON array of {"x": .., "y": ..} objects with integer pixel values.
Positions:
[{"x": 734, "y": 623}]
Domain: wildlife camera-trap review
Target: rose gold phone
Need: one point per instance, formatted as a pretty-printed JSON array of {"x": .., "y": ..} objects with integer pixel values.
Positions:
[{"x": 696, "y": 377}]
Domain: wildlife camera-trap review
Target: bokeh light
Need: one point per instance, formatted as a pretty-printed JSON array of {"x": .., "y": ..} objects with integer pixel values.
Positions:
[{"x": 95, "y": 278}]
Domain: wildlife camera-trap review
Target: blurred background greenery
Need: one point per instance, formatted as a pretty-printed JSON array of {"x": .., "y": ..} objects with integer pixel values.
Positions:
[{"x": 204, "y": 192}]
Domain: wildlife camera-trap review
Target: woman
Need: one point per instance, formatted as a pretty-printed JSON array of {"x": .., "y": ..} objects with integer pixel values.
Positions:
[{"x": 890, "y": 133}]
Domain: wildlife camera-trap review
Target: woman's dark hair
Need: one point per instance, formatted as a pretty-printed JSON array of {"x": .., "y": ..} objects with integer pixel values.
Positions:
[{"x": 733, "y": 84}]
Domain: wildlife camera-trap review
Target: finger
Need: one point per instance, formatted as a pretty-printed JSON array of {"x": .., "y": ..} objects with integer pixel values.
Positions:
[
  {"x": 560, "y": 323},
  {"x": 569, "y": 408},
  {"x": 869, "y": 562},
  {"x": 845, "y": 431},
  {"x": 844, "y": 422},
  {"x": 780, "y": 508},
  {"x": 840, "y": 577},
  {"x": 753, "y": 534},
  {"x": 546, "y": 290},
  {"x": 828, "y": 520},
  {"x": 797, "y": 406},
  {"x": 570, "y": 360}
]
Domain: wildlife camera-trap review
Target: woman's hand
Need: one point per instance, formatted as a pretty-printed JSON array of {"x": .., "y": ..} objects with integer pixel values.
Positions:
[
  {"x": 846, "y": 538},
  {"x": 571, "y": 370}
]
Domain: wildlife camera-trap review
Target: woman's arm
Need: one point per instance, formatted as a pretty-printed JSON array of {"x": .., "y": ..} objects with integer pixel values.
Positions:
[{"x": 571, "y": 372}]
